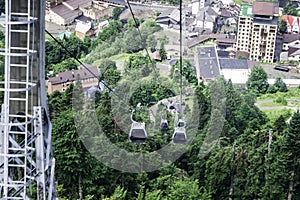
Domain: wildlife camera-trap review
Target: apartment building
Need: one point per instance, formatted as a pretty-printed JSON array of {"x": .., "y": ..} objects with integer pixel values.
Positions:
[{"x": 257, "y": 31}]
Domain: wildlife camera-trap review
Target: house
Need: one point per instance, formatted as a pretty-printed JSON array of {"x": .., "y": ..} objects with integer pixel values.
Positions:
[
  {"x": 76, "y": 4},
  {"x": 237, "y": 70},
  {"x": 62, "y": 15},
  {"x": 62, "y": 80},
  {"x": 292, "y": 23},
  {"x": 290, "y": 40},
  {"x": 207, "y": 63},
  {"x": 225, "y": 43},
  {"x": 155, "y": 55},
  {"x": 294, "y": 52},
  {"x": 84, "y": 29},
  {"x": 209, "y": 66},
  {"x": 206, "y": 18},
  {"x": 66, "y": 12},
  {"x": 169, "y": 18}
]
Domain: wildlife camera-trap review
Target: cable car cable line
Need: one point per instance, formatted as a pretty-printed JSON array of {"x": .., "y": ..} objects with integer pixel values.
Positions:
[{"x": 179, "y": 136}]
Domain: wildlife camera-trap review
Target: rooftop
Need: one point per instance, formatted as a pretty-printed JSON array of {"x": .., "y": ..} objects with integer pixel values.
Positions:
[
  {"x": 273, "y": 21},
  {"x": 76, "y": 3},
  {"x": 64, "y": 12},
  {"x": 287, "y": 38},
  {"x": 263, "y": 8},
  {"x": 70, "y": 76},
  {"x": 246, "y": 10},
  {"x": 208, "y": 62},
  {"x": 233, "y": 63}
]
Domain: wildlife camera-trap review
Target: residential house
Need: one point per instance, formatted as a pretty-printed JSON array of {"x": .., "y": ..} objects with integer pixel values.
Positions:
[
  {"x": 209, "y": 66},
  {"x": 113, "y": 3},
  {"x": 63, "y": 79},
  {"x": 237, "y": 70},
  {"x": 169, "y": 18},
  {"x": 292, "y": 23},
  {"x": 257, "y": 31},
  {"x": 66, "y": 12},
  {"x": 290, "y": 40},
  {"x": 226, "y": 43},
  {"x": 205, "y": 19},
  {"x": 207, "y": 63},
  {"x": 62, "y": 15},
  {"x": 84, "y": 29},
  {"x": 76, "y": 4}
]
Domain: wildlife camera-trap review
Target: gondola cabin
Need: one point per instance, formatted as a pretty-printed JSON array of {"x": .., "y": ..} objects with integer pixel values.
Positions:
[
  {"x": 138, "y": 133},
  {"x": 179, "y": 136},
  {"x": 181, "y": 123},
  {"x": 164, "y": 125}
]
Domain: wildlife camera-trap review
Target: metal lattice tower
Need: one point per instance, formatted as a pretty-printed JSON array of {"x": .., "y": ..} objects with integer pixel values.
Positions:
[{"x": 26, "y": 160}]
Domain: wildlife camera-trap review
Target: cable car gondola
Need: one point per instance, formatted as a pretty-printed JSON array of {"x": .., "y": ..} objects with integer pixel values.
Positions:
[
  {"x": 179, "y": 136},
  {"x": 181, "y": 123},
  {"x": 164, "y": 125},
  {"x": 138, "y": 133}
]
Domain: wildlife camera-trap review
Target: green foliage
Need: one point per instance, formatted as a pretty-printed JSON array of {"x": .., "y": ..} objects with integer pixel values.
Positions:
[
  {"x": 116, "y": 13},
  {"x": 110, "y": 32},
  {"x": 282, "y": 26},
  {"x": 133, "y": 41},
  {"x": 56, "y": 54},
  {"x": 281, "y": 100},
  {"x": 162, "y": 52},
  {"x": 150, "y": 92},
  {"x": 290, "y": 9},
  {"x": 258, "y": 81}
]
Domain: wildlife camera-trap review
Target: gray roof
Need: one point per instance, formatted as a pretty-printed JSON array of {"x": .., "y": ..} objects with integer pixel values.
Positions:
[
  {"x": 120, "y": 2},
  {"x": 287, "y": 38},
  {"x": 171, "y": 14},
  {"x": 64, "y": 12},
  {"x": 76, "y": 3},
  {"x": 70, "y": 76},
  {"x": 233, "y": 63},
  {"x": 208, "y": 62},
  {"x": 273, "y": 21}
]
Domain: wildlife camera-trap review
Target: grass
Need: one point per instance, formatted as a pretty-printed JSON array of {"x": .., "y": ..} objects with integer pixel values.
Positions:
[
  {"x": 292, "y": 93},
  {"x": 274, "y": 114},
  {"x": 270, "y": 104}
]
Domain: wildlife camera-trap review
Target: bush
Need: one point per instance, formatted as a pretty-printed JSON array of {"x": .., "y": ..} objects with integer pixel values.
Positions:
[{"x": 281, "y": 100}]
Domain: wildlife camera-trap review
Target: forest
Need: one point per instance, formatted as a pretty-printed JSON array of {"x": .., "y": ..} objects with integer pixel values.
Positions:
[{"x": 234, "y": 151}]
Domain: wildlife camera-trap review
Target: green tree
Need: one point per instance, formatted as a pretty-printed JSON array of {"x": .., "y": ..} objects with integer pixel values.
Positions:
[
  {"x": 151, "y": 42},
  {"x": 258, "y": 81},
  {"x": 290, "y": 9},
  {"x": 280, "y": 85},
  {"x": 132, "y": 40},
  {"x": 116, "y": 13},
  {"x": 162, "y": 51},
  {"x": 282, "y": 26}
]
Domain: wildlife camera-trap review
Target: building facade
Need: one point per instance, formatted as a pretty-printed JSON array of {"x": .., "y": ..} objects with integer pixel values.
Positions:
[{"x": 257, "y": 31}]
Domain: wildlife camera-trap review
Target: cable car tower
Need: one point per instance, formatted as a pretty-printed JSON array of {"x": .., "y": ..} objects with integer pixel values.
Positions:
[{"x": 26, "y": 160}]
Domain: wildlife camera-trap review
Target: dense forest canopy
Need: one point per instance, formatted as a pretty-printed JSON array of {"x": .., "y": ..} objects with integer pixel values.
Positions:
[{"x": 236, "y": 152}]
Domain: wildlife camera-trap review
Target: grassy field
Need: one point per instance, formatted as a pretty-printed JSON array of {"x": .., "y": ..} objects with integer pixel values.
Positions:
[
  {"x": 281, "y": 103},
  {"x": 292, "y": 93}
]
